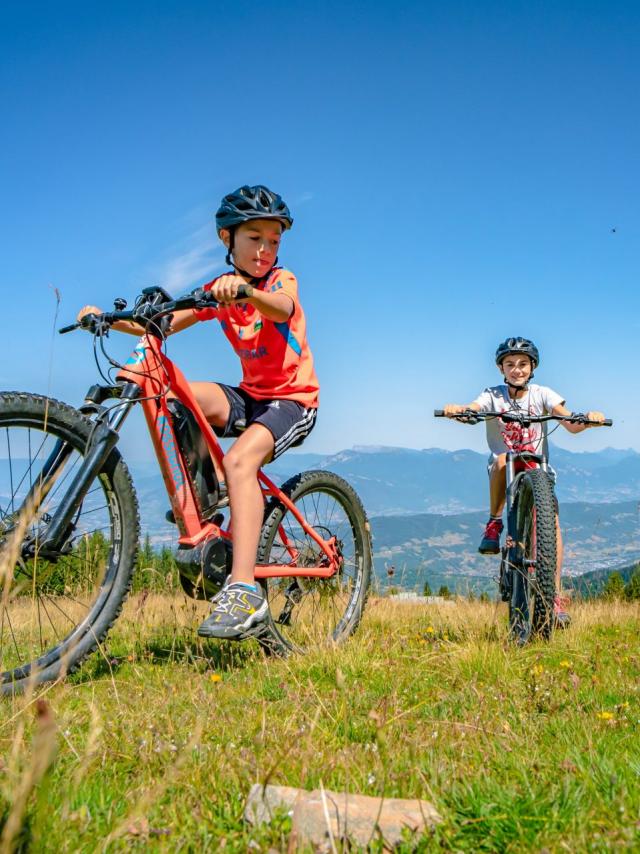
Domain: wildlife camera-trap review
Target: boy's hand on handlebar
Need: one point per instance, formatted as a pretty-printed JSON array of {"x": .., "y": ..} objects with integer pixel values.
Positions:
[
  {"x": 453, "y": 409},
  {"x": 599, "y": 417},
  {"x": 225, "y": 290},
  {"x": 461, "y": 413},
  {"x": 88, "y": 309}
]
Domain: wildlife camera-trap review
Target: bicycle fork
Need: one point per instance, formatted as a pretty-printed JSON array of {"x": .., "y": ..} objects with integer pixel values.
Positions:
[{"x": 104, "y": 438}]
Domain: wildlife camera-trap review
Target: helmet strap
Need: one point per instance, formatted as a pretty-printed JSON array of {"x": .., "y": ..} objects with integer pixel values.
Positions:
[{"x": 522, "y": 387}]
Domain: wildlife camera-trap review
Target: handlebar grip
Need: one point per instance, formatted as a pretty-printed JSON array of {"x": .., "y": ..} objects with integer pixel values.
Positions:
[
  {"x": 244, "y": 291},
  {"x": 608, "y": 422},
  {"x": 70, "y": 328},
  {"x": 438, "y": 413}
]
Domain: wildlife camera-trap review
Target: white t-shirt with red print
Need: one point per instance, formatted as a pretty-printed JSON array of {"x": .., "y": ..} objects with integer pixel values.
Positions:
[{"x": 507, "y": 436}]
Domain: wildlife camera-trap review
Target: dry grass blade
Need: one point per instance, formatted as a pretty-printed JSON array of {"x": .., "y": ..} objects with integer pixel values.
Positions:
[{"x": 42, "y": 755}]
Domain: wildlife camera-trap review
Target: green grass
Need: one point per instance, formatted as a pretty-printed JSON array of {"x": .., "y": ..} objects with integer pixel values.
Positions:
[{"x": 159, "y": 739}]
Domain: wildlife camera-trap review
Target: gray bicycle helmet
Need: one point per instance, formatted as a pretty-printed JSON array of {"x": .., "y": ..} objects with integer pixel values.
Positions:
[
  {"x": 519, "y": 346},
  {"x": 248, "y": 203}
]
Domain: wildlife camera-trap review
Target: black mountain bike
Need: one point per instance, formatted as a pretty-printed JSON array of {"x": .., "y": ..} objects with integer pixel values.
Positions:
[{"x": 529, "y": 556}]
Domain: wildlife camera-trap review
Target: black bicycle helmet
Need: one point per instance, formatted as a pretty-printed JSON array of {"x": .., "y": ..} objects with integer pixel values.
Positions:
[
  {"x": 248, "y": 203},
  {"x": 521, "y": 346}
]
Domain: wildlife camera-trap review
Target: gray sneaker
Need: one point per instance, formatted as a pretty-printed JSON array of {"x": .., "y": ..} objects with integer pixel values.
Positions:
[{"x": 236, "y": 610}]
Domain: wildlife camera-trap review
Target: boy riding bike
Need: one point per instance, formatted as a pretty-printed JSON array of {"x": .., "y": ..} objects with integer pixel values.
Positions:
[
  {"x": 517, "y": 358},
  {"x": 275, "y": 405}
]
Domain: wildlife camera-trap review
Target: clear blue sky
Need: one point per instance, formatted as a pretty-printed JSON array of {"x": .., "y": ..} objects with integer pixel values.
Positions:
[{"x": 455, "y": 171}]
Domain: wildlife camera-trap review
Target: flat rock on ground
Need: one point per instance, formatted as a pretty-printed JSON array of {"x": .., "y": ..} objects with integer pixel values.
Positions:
[{"x": 323, "y": 817}]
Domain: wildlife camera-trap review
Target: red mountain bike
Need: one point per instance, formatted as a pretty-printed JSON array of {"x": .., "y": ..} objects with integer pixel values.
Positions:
[
  {"x": 529, "y": 556},
  {"x": 69, "y": 523}
]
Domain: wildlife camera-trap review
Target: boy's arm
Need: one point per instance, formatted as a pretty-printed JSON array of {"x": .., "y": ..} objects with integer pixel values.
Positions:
[
  {"x": 181, "y": 320},
  {"x": 452, "y": 409},
  {"x": 274, "y": 306},
  {"x": 561, "y": 409}
]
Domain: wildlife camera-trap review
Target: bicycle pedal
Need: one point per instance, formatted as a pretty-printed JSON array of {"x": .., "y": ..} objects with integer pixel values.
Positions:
[{"x": 254, "y": 632}]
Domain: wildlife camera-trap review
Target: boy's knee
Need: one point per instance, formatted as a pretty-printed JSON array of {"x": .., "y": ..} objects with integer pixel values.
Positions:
[
  {"x": 233, "y": 463},
  {"x": 238, "y": 465}
]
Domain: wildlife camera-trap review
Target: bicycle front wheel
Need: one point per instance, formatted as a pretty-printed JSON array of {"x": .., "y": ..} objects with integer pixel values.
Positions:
[
  {"x": 308, "y": 612},
  {"x": 534, "y": 573},
  {"x": 55, "y": 609}
]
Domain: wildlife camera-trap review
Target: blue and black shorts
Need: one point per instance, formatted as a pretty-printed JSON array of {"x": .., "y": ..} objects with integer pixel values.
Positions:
[{"x": 288, "y": 421}]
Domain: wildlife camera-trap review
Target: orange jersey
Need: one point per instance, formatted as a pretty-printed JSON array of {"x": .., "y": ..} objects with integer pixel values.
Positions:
[{"x": 276, "y": 359}]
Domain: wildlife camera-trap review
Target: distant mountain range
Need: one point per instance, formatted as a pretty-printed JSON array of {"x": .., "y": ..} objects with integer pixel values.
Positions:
[
  {"x": 443, "y": 549},
  {"x": 428, "y": 507}
]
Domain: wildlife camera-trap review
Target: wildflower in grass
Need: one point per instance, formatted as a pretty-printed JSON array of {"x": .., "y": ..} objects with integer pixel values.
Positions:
[
  {"x": 565, "y": 663},
  {"x": 605, "y": 716},
  {"x": 537, "y": 670},
  {"x": 430, "y": 630},
  {"x": 215, "y": 677}
]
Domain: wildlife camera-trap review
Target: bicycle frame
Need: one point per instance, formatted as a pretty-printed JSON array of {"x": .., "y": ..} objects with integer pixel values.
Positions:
[{"x": 150, "y": 375}]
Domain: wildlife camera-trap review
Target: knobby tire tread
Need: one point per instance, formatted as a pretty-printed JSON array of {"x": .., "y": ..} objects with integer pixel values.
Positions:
[
  {"x": 540, "y": 488},
  {"x": 25, "y": 405}
]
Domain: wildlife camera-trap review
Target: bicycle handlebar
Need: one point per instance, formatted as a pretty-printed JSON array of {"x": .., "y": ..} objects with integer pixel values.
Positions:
[
  {"x": 199, "y": 298},
  {"x": 472, "y": 417}
]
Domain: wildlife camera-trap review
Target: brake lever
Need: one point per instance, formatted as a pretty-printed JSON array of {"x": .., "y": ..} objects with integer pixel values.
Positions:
[{"x": 97, "y": 324}]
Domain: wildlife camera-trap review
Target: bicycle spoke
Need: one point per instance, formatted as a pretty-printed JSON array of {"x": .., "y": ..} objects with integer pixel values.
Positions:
[
  {"x": 14, "y": 637},
  {"x": 50, "y": 620},
  {"x": 314, "y": 611},
  {"x": 9, "y": 458}
]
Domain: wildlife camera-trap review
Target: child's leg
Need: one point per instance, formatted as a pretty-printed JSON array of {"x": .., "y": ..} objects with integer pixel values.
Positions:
[
  {"x": 213, "y": 402},
  {"x": 498, "y": 486},
  {"x": 490, "y": 543},
  {"x": 241, "y": 465},
  {"x": 216, "y": 409},
  {"x": 559, "y": 555},
  {"x": 241, "y": 605},
  {"x": 274, "y": 426}
]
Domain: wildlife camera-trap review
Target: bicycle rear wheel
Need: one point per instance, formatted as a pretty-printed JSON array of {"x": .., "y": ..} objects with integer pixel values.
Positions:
[
  {"x": 534, "y": 573},
  {"x": 309, "y": 612},
  {"x": 55, "y": 610}
]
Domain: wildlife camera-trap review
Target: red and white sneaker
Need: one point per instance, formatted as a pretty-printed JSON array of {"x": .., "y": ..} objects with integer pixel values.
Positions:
[
  {"x": 561, "y": 617},
  {"x": 490, "y": 544}
]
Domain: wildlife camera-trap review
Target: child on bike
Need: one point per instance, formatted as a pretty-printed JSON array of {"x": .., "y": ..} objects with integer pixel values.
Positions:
[
  {"x": 517, "y": 359},
  {"x": 275, "y": 405}
]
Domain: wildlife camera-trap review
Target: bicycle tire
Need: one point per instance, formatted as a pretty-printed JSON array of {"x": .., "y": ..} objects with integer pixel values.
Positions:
[
  {"x": 305, "y": 613},
  {"x": 534, "y": 573},
  {"x": 54, "y": 613}
]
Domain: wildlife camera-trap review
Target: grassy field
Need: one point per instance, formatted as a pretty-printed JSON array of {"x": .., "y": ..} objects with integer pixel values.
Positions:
[{"x": 156, "y": 741}]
